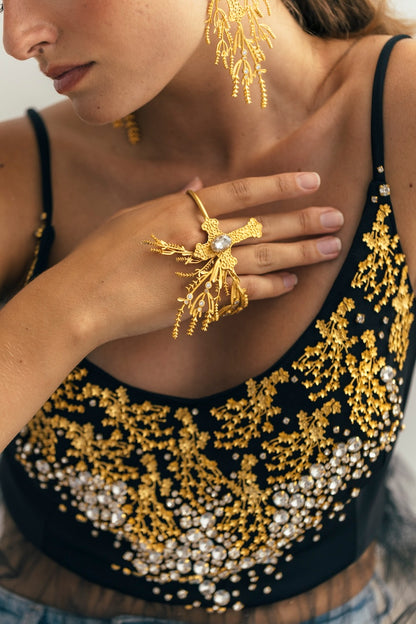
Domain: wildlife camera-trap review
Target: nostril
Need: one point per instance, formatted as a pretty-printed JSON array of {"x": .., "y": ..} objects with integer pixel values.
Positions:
[
  {"x": 26, "y": 36},
  {"x": 38, "y": 48}
]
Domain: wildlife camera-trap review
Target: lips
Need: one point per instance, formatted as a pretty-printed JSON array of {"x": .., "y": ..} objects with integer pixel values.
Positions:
[{"x": 66, "y": 77}]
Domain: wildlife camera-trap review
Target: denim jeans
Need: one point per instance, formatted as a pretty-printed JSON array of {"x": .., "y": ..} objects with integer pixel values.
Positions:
[{"x": 370, "y": 606}]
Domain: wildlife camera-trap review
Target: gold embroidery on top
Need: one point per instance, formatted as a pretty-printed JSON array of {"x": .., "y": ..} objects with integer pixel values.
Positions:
[
  {"x": 325, "y": 361},
  {"x": 242, "y": 421},
  {"x": 38, "y": 236},
  {"x": 191, "y": 466},
  {"x": 294, "y": 453},
  {"x": 383, "y": 258},
  {"x": 367, "y": 393},
  {"x": 399, "y": 334},
  {"x": 145, "y": 473}
]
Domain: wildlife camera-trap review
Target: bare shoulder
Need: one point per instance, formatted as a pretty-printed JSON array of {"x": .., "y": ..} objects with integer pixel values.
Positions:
[
  {"x": 20, "y": 196},
  {"x": 400, "y": 143},
  {"x": 400, "y": 112},
  {"x": 20, "y": 199}
]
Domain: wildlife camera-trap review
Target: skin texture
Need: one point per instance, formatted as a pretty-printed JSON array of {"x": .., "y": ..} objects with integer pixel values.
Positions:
[
  {"x": 137, "y": 73},
  {"x": 109, "y": 196}
]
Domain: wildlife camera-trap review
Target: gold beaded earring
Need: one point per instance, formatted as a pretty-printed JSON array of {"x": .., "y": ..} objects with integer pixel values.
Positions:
[
  {"x": 129, "y": 122},
  {"x": 239, "y": 51}
]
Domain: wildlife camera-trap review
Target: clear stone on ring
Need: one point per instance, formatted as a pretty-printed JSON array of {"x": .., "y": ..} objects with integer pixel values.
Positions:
[{"x": 221, "y": 243}]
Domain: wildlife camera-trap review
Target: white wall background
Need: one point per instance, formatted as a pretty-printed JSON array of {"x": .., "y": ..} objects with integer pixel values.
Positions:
[{"x": 22, "y": 85}]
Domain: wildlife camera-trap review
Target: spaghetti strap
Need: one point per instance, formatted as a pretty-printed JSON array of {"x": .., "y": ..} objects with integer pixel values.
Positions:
[
  {"x": 377, "y": 129},
  {"x": 45, "y": 161},
  {"x": 45, "y": 233}
]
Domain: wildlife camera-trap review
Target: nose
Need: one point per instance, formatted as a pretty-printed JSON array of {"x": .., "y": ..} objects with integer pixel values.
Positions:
[{"x": 26, "y": 31}]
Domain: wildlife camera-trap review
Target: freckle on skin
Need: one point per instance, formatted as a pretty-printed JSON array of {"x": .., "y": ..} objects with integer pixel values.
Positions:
[{"x": 411, "y": 185}]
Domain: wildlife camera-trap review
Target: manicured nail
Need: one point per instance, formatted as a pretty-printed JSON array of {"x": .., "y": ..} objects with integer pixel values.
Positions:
[
  {"x": 329, "y": 246},
  {"x": 290, "y": 280},
  {"x": 308, "y": 181},
  {"x": 194, "y": 185},
  {"x": 332, "y": 219}
]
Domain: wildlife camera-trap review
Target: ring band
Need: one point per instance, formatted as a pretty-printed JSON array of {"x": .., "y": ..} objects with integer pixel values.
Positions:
[
  {"x": 198, "y": 202},
  {"x": 215, "y": 277}
]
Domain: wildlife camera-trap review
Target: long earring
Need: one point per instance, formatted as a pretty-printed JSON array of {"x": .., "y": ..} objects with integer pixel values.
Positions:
[
  {"x": 129, "y": 122},
  {"x": 240, "y": 53}
]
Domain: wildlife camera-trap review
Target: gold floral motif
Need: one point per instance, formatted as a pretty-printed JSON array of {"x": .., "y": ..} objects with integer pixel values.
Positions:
[
  {"x": 292, "y": 454},
  {"x": 191, "y": 466},
  {"x": 250, "y": 418},
  {"x": 367, "y": 393},
  {"x": 377, "y": 274},
  {"x": 325, "y": 361},
  {"x": 399, "y": 334}
]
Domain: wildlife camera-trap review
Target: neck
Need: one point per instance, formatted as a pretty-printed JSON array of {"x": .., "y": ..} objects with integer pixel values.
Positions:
[{"x": 195, "y": 117}]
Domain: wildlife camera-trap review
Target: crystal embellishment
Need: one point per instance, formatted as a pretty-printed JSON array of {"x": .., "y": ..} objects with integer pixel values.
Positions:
[
  {"x": 384, "y": 190},
  {"x": 222, "y": 597},
  {"x": 221, "y": 243},
  {"x": 387, "y": 374}
]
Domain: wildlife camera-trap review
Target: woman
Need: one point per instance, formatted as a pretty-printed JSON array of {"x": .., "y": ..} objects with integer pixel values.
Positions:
[{"x": 233, "y": 474}]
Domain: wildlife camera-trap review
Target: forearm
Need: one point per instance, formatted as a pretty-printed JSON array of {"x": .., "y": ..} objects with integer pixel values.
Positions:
[{"x": 43, "y": 336}]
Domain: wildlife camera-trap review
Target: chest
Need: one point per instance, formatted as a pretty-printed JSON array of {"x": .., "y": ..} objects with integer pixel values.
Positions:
[{"x": 249, "y": 343}]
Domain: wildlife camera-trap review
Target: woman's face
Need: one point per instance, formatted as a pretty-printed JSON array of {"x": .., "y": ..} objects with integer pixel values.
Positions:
[{"x": 109, "y": 56}]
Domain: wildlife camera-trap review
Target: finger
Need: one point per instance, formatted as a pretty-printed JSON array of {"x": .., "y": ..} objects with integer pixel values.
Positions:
[
  {"x": 267, "y": 287},
  {"x": 270, "y": 257},
  {"x": 250, "y": 192},
  {"x": 290, "y": 225}
]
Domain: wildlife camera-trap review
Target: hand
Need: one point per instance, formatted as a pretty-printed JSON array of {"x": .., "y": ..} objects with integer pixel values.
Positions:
[{"x": 120, "y": 288}]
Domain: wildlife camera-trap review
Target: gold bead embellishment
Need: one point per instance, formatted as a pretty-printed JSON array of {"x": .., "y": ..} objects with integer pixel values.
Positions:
[
  {"x": 132, "y": 128},
  {"x": 217, "y": 275},
  {"x": 239, "y": 52}
]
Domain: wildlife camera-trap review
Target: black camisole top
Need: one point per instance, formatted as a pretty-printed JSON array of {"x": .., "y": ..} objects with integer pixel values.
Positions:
[{"x": 248, "y": 496}]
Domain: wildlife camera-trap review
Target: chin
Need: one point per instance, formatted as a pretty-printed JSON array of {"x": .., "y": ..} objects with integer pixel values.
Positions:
[{"x": 96, "y": 112}]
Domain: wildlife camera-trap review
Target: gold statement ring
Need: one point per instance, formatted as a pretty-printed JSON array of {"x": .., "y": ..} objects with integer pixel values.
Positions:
[{"x": 215, "y": 277}]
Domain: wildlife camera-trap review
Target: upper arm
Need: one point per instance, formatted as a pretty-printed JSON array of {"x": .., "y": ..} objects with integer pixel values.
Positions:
[
  {"x": 400, "y": 144},
  {"x": 20, "y": 201}
]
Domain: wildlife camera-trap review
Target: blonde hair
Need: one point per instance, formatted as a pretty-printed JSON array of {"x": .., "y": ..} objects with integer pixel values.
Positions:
[{"x": 341, "y": 19}]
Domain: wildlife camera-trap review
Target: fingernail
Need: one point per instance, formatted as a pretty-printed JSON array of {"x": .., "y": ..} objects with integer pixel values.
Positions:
[
  {"x": 332, "y": 218},
  {"x": 290, "y": 280},
  {"x": 308, "y": 181},
  {"x": 329, "y": 246},
  {"x": 194, "y": 185}
]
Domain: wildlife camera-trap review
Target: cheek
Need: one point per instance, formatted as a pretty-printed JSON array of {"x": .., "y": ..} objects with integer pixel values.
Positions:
[{"x": 138, "y": 52}]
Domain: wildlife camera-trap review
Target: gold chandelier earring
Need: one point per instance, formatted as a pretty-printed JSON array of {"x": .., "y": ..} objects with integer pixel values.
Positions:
[
  {"x": 130, "y": 125},
  {"x": 240, "y": 35}
]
